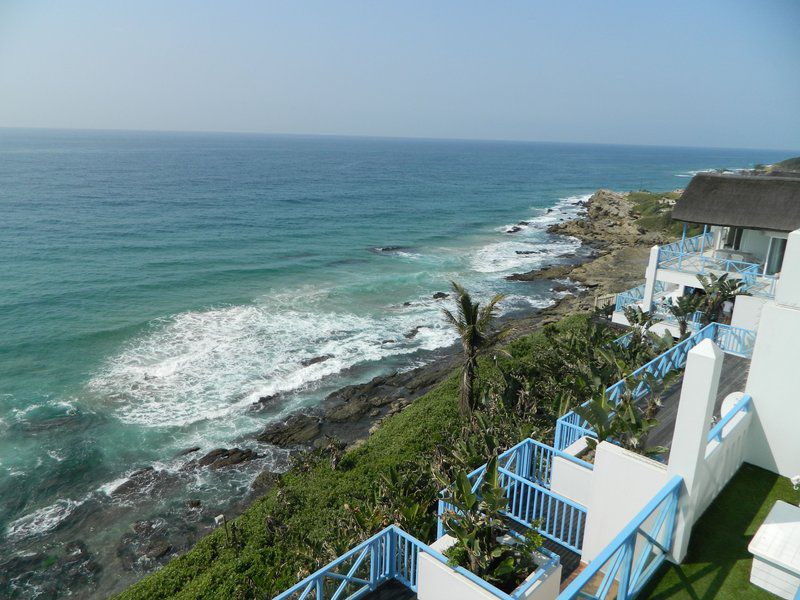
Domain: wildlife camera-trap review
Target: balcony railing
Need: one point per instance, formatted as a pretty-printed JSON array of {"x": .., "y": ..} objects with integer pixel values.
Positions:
[
  {"x": 671, "y": 256},
  {"x": 734, "y": 340},
  {"x": 635, "y": 295},
  {"x": 742, "y": 406},
  {"x": 525, "y": 471},
  {"x": 696, "y": 255},
  {"x": 623, "y": 567}
]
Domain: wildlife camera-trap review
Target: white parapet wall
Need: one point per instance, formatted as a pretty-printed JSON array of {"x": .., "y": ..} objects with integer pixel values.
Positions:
[
  {"x": 622, "y": 484},
  {"x": 570, "y": 479},
  {"x": 438, "y": 581},
  {"x": 774, "y": 379},
  {"x": 747, "y": 312}
]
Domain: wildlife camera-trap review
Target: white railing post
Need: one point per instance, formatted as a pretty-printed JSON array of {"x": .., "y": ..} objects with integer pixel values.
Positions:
[{"x": 650, "y": 281}]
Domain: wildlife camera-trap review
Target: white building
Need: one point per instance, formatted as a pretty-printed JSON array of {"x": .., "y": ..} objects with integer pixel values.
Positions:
[{"x": 745, "y": 221}]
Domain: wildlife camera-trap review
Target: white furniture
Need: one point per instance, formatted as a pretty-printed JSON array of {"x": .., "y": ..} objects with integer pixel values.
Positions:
[{"x": 776, "y": 551}]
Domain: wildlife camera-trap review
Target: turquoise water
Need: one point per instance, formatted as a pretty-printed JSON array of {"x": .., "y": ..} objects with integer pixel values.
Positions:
[{"x": 152, "y": 286}]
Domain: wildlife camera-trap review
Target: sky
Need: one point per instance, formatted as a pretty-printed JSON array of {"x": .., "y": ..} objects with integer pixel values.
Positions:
[{"x": 708, "y": 73}]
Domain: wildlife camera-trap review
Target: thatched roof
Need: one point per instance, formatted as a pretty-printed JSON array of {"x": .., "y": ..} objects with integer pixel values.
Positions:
[{"x": 741, "y": 201}]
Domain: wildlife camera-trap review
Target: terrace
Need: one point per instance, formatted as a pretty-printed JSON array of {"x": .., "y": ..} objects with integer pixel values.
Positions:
[
  {"x": 737, "y": 343},
  {"x": 698, "y": 256}
]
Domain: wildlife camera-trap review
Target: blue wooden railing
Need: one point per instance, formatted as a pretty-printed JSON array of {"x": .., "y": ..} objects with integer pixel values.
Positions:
[
  {"x": 630, "y": 560},
  {"x": 670, "y": 256},
  {"x": 390, "y": 554},
  {"x": 742, "y": 406},
  {"x": 525, "y": 471},
  {"x": 675, "y": 257},
  {"x": 636, "y": 294},
  {"x": 733, "y": 340}
]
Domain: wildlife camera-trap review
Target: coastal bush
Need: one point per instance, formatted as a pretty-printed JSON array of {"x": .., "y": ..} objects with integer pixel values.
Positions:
[
  {"x": 329, "y": 501},
  {"x": 653, "y": 211}
]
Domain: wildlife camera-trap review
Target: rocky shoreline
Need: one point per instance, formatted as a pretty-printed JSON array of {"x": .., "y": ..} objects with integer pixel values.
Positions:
[{"x": 618, "y": 252}]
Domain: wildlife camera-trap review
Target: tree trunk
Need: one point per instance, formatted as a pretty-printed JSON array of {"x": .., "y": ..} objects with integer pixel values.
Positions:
[{"x": 465, "y": 401}]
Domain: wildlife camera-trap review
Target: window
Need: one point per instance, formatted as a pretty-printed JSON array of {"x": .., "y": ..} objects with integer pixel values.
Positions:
[
  {"x": 734, "y": 238},
  {"x": 775, "y": 259}
]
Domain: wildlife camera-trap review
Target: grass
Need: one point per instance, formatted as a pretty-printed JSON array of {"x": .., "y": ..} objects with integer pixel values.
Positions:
[
  {"x": 319, "y": 500},
  {"x": 718, "y": 563},
  {"x": 653, "y": 211}
]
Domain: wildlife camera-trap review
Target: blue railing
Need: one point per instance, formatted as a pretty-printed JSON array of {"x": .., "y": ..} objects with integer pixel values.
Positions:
[
  {"x": 552, "y": 515},
  {"x": 687, "y": 256},
  {"x": 733, "y": 340},
  {"x": 630, "y": 560},
  {"x": 742, "y": 406},
  {"x": 636, "y": 294},
  {"x": 671, "y": 255},
  {"x": 525, "y": 471},
  {"x": 390, "y": 554},
  {"x": 533, "y": 460}
]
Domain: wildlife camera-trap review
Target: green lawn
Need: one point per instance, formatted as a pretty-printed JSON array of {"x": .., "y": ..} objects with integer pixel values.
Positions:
[{"x": 718, "y": 564}]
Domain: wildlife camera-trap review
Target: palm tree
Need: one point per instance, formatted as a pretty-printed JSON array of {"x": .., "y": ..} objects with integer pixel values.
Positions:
[
  {"x": 472, "y": 323},
  {"x": 718, "y": 290},
  {"x": 683, "y": 309}
]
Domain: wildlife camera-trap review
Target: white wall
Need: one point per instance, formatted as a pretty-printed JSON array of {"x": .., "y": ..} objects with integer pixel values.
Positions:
[
  {"x": 622, "y": 484},
  {"x": 570, "y": 479},
  {"x": 437, "y": 581},
  {"x": 722, "y": 460},
  {"x": 747, "y": 312},
  {"x": 774, "y": 379}
]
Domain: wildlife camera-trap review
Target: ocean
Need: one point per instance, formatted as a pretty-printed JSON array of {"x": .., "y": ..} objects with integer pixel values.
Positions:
[{"x": 154, "y": 285}]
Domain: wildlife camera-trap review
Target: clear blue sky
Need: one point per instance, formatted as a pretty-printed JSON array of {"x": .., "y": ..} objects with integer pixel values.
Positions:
[{"x": 698, "y": 73}]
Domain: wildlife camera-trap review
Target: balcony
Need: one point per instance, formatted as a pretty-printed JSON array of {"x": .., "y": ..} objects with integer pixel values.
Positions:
[
  {"x": 733, "y": 341},
  {"x": 697, "y": 256}
]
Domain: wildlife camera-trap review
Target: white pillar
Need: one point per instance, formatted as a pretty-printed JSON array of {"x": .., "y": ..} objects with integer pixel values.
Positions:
[
  {"x": 650, "y": 279},
  {"x": 689, "y": 441}
]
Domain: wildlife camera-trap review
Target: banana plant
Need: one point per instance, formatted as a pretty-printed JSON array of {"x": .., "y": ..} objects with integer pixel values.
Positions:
[{"x": 485, "y": 544}]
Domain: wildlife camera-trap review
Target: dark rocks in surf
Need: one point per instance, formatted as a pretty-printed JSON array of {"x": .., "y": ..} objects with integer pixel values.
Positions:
[
  {"x": 296, "y": 430},
  {"x": 514, "y": 229},
  {"x": 152, "y": 543},
  {"x": 413, "y": 333},
  {"x": 226, "y": 457},
  {"x": 441, "y": 295},
  {"x": 264, "y": 402},
  {"x": 307, "y": 362},
  {"x": 524, "y": 223},
  {"x": 191, "y": 450},
  {"x": 556, "y": 272},
  {"x": 526, "y": 252},
  {"x": 389, "y": 249},
  {"x": 50, "y": 575}
]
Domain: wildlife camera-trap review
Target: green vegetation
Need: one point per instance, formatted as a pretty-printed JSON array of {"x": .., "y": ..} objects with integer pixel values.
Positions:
[
  {"x": 718, "y": 563},
  {"x": 653, "y": 211},
  {"x": 329, "y": 501},
  {"x": 790, "y": 164},
  {"x": 485, "y": 543}
]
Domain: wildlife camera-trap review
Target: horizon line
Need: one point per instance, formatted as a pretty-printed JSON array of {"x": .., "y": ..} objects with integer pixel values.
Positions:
[{"x": 387, "y": 137}]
